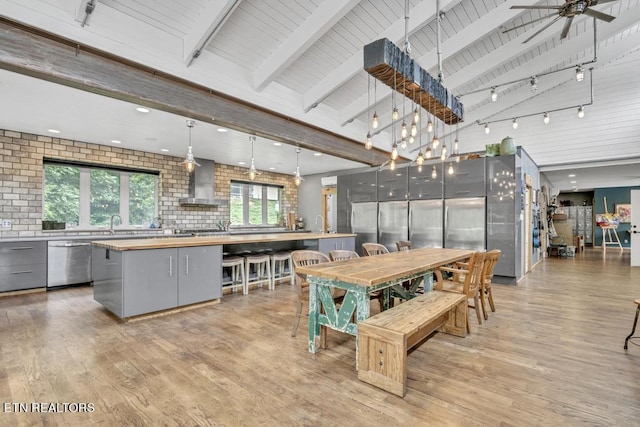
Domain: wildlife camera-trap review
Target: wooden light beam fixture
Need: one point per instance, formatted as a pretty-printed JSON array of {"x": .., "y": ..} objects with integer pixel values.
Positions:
[{"x": 383, "y": 60}]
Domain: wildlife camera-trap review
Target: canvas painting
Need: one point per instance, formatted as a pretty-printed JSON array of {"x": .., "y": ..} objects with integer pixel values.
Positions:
[{"x": 623, "y": 210}]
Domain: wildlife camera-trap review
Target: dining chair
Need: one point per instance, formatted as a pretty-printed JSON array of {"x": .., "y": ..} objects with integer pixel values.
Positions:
[
  {"x": 491, "y": 259},
  {"x": 465, "y": 279},
  {"x": 342, "y": 254},
  {"x": 403, "y": 245},
  {"x": 371, "y": 249},
  {"x": 303, "y": 258}
]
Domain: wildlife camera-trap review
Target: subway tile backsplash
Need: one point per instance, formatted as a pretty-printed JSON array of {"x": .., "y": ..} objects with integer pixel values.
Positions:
[{"x": 21, "y": 181}]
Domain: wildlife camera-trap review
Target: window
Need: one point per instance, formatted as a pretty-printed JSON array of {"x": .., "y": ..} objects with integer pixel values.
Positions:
[
  {"x": 255, "y": 204},
  {"x": 87, "y": 196}
]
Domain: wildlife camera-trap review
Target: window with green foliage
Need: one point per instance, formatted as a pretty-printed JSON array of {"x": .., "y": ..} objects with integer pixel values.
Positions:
[
  {"x": 88, "y": 196},
  {"x": 255, "y": 204}
]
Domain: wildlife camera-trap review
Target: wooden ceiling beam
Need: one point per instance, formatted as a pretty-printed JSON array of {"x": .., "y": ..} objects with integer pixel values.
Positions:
[{"x": 33, "y": 52}]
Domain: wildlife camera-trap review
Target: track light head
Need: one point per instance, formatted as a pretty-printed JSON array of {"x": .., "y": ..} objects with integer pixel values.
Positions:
[
  {"x": 494, "y": 94},
  {"x": 579, "y": 73},
  {"x": 534, "y": 84},
  {"x": 546, "y": 119}
]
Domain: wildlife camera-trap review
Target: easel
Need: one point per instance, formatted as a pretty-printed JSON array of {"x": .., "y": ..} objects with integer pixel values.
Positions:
[{"x": 607, "y": 239}]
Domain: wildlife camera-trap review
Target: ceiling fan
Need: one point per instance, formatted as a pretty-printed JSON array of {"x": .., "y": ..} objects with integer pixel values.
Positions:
[{"x": 569, "y": 10}]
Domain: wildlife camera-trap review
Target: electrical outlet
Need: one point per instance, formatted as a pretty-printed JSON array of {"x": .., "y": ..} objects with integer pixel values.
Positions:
[
  {"x": 6, "y": 223},
  {"x": 626, "y": 241}
]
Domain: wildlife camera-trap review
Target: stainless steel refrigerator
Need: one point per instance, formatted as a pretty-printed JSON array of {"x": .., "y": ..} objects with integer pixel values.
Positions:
[
  {"x": 393, "y": 223},
  {"x": 425, "y": 223},
  {"x": 464, "y": 223},
  {"x": 364, "y": 223}
]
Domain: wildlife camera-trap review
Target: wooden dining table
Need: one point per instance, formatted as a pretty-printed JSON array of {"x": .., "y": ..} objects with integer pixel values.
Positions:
[{"x": 359, "y": 277}]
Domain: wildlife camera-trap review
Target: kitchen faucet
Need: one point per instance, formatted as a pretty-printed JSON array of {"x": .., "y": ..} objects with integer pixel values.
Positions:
[
  {"x": 111, "y": 230},
  {"x": 321, "y": 222}
]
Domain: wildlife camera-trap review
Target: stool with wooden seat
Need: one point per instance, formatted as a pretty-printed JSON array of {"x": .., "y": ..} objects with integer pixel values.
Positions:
[
  {"x": 284, "y": 271},
  {"x": 635, "y": 322},
  {"x": 262, "y": 267},
  {"x": 235, "y": 264}
]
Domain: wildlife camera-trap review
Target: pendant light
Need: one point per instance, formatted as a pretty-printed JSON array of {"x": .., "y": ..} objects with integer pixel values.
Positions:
[
  {"x": 494, "y": 94},
  {"x": 252, "y": 168},
  {"x": 580, "y": 112},
  {"x": 374, "y": 121},
  {"x": 514, "y": 124},
  {"x": 546, "y": 119},
  {"x": 434, "y": 172},
  {"x": 368, "y": 144},
  {"x": 189, "y": 162},
  {"x": 297, "y": 177}
]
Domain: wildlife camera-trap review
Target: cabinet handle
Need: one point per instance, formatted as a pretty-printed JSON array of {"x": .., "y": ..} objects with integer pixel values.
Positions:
[
  {"x": 22, "y": 272},
  {"x": 186, "y": 265},
  {"x": 22, "y": 248},
  {"x": 463, "y": 192},
  {"x": 170, "y": 266}
]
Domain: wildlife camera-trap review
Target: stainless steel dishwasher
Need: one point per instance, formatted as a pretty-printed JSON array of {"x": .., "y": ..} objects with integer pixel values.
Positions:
[{"x": 68, "y": 262}]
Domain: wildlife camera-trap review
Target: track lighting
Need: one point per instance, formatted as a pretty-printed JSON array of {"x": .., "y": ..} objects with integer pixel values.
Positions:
[
  {"x": 546, "y": 118},
  {"x": 534, "y": 84},
  {"x": 515, "y": 123},
  {"x": 494, "y": 94},
  {"x": 487, "y": 129},
  {"x": 579, "y": 73},
  {"x": 368, "y": 144},
  {"x": 580, "y": 112},
  {"x": 375, "y": 122}
]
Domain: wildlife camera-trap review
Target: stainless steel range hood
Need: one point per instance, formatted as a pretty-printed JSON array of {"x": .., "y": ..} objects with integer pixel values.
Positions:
[{"x": 202, "y": 186}]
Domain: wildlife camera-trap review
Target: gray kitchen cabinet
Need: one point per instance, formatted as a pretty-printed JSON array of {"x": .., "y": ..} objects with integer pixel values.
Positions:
[
  {"x": 130, "y": 283},
  {"x": 199, "y": 273},
  {"x": 422, "y": 186},
  {"x": 23, "y": 265},
  {"x": 343, "y": 204},
  {"x": 363, "y": 187},
  {"x": 392, "y": 184},
  {"x": 333, "y": 243},
  {"x": 467, "y": 180}
]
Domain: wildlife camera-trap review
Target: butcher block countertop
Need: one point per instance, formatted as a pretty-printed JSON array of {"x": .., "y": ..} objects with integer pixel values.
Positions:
[{"x": 182, "y": 242}]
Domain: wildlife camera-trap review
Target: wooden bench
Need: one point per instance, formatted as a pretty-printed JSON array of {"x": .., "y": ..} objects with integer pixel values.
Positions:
[{"x": 385, "y": 339}]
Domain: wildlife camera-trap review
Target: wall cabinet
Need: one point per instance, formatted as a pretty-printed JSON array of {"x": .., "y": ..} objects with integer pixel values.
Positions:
[
  {"x": 363, "y": 187},
  {"x": 467, "y": 180},
  {"x": 422, "y": 186},
  {"x": 130, "y": 283},
  {"x": 392, "y": 184},
  {"x": 23, "y": 265}
]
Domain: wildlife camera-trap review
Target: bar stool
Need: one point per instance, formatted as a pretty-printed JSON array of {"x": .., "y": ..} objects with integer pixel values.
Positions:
[
  {"x": 635, "y": 322},
  {"x": 236, "y": 274},
  {"x": 282, "y": 260},
  {"x": 262, "y": 263}
]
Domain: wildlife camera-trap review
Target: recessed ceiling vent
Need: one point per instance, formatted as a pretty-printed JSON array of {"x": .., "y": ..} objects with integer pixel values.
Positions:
[{"x": 202, "y": 186}]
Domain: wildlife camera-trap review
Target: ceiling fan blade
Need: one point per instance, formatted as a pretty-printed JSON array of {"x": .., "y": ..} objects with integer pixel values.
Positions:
[
  {"x": 536, "y": 7},
  {"x": 565, "y": 29},
  {"x": 543, "y": 28},
  {"x": 602, "y": 2},
  {"x": 599, "y": 15},
  {"x": 530, "y": 22}
]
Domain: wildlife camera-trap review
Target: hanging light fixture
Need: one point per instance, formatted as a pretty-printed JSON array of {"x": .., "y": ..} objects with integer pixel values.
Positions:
[
  {"x": 403, "y": 143},
  {"x": 297, "y": 177},
  {"x": 456, "y": 143},
  {"x": 189, "y": 162},
  {"x": 579, "y": 73},
  {"x": 392, "y": 165},
  {"x": 434, "y": 172},
  {"x": 580, "y": 112},
  {"x": 494, "y": 94},
  {"x": 450, "y": 170},
  {"x": 515, "y": 123},
  {"x": 546, "y": 118},
  {"x": 253, "y": 172},
  {"x": 429, "y": 122},
  {"x": 427, "y": 152},
  {"x": 368, "y": 144},
  {"x": 534, "y": 84},
  {"x": 374, "y": 121},
  {"x": 394, "y": 151}
]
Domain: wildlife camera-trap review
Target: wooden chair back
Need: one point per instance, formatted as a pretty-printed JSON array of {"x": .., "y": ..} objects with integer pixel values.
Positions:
[
  {"x": 490, "y": 261},
  {"x": 304, "y": 258},
  {"x": 342, "y": 254},
  {"x": 403, "y": 245},
  {"x": 474, "y": 277},
  {"x": 371, "y": 249}
]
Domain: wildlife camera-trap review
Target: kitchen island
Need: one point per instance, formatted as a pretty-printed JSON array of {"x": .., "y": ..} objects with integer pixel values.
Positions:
[{"x": 132, "y": 277}]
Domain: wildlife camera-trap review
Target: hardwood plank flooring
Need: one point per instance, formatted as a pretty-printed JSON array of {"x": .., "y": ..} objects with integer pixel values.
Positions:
[{"x": 552, "y": 354}]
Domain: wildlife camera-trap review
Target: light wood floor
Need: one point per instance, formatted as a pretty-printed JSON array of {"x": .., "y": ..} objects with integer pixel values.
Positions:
[{"x": 552, "y": 354}]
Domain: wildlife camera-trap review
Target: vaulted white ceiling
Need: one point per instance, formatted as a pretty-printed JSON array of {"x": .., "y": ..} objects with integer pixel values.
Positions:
[{"x": 304, "y": 59}]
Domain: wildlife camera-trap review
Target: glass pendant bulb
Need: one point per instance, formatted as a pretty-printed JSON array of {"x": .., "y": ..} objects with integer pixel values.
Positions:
[
  {"x": 189, "y": 162},
  {"x": 434, "y": 172},
  {"x": 416, "y": 115},
  {"x": 414, "y": 129},
  {"x": 455, "y": 146},
  {"x": 403, "y": 144},
  {"x": 392, "y": 165},
  {"x": 190, "y": 167},
  {"x": 546, "y": 119},
  {"x": 394, "y": 113},
  {"x": 394, "y": 152},
  {"x": 375, "y": 122},
  {"x": 450, "y": 170},
  {"x": 427, "y": 153},
  {"x": 411, "y": 139},
  {"x": 403, "y": 130},
  {"x": 515, "y": 123},
  {"x": 435, "y": 142},
  {"x": 368, "y": 144},
  {"x": 580, "y": 112},
  {"x": 297, "y": 181},
  {"x": 534, "y": 84},
  {"x": 419, "y": 168},
  {"x": 420, "y": 159},
  {"x": 252, "y": 174},
  {"x": 429, "y": 125}
]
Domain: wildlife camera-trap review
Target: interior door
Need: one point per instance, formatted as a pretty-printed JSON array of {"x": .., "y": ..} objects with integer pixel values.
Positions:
[{"x": 635, "y": 228}]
